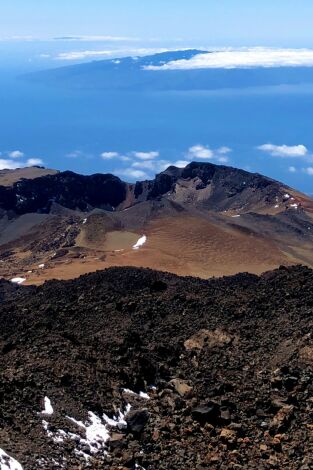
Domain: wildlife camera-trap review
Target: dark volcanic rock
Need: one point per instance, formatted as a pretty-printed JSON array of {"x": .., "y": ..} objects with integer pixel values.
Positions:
[
  {"x": 239, "y": 396},
  {"x": 68, "y": 189},
  {"x": 136, "y": 421},
  {"x": 228, "y": 188},
  {"x": 208, "y": 413}
]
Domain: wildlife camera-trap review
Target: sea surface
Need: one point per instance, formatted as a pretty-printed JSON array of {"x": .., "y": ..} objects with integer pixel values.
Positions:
[{"x": 52, "y": 122}]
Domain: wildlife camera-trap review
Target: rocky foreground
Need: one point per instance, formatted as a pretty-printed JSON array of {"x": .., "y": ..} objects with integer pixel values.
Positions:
[{"x": 130, "y": 368}]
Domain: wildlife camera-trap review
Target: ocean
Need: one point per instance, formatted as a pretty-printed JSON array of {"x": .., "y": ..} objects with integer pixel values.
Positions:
[{"x": 69, "y": 129}]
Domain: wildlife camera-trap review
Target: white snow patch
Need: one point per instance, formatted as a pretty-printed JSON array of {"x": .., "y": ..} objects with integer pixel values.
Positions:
[
  {"x": 8, "y": 463},
  {"x": 84, "y": 221},
  {"x": 48, "y": 407},
  {"x": 140, "y": 242},
  {"x": 59, "y": 436},
  {"x": 96, "y": 431},
  {"x": 287, "y": 196},
  {"x": 41, "y": 266},
  {"x": 140, "y": 394},
  {"x": 294, "y": 206},
  {"x": 18, "y": 280},
  {"x": 238, "y": 215},
  {"x": 127, "y": 390},
  {"x": 276, "y": 206}
]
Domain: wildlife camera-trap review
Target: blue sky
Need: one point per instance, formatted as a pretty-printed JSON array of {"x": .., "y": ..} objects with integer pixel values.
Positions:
[
  {"x": 217, "y": 22},
  {"x": 266, "y": 131}
]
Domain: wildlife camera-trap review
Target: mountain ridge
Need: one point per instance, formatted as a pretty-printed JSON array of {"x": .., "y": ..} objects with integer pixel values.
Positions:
[
  {"x": 203, "y": 220},
  {"x": 20, "y": 194}
]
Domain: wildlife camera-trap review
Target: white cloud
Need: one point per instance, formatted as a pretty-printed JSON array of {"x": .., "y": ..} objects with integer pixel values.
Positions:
[
  {"x": 14, "y": 161},
  {"x": 309, "y": 170},
  {"x": 75, "y": 154},
  {"x": 109, "y": 155},
  {"x": 16, "y": 154},
  {"x": 292, "y": 169},
  {"x": 223, "y": 159},
  {"x": 224, "y": 150},
  {"x": 34, "y": 162},
  {"x": 204, "y": 152},
  {"x": 132, "y": 173},
  {"x": 146, "y": 155},
  {"x": 152, "y": 165},
  {"x": 200, "y": 151},
  {"x": 180, "y": 163},
  {"x": 156, "y": 166},
  {"x": 243, "y": 58},
  {"x": 148, "y": 165},
  {"x": 108, "y": 53},
  {"x": 80, "y": 55},
  {"x": 9, "y": 164},
  {"x": 287, "y": 151}
]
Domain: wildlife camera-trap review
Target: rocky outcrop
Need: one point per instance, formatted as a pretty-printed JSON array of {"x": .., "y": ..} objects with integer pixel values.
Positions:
[
  {"x": 67, "y": 189},
  {"x": 203, "y": 185}
]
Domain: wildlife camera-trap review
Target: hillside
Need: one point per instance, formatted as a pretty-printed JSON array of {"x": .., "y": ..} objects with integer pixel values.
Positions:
[
  {"x": 230, "y": 387},
  {"x": 203, "y": 220}
]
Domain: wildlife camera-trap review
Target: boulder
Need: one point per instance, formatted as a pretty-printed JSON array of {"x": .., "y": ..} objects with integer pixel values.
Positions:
[
  {"x": 181, "y": 387},
  {"x": 228, "y": 435},
  {"x": 282, "y": 418},
  {"x": 117, "y": 440},
  {"x": 207, "y": 338},
  {"x": 136, "y": 420},
  {"x": 208, "y": 413}
]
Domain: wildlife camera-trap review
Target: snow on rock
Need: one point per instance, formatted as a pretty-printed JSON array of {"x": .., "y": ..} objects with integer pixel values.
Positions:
[
  {"x": 96, "y": 432},
  {"x": 84, "y": 221},
  {"x": 18, "y": 280},
  {"x": 8, "y": 463},
  {"x": 59, "y": 436},
  {"x": 238, "y": 215},
  {"x": 140, "y": 242},
  {"x": 294, "y": 206},
  {"x": 276, "y": 206},
  {"x": 140, "y": 394},
  {"x": 127, "y": 390},
  {"x": 41, "y": 266},
  {"x": 286, "y": 196},
  {"x": 48, "y": 407}
]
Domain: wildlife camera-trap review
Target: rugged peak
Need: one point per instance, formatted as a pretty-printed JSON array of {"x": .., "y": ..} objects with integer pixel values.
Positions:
[{"x": 214, "y": 187}]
